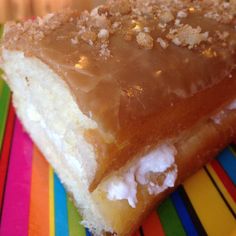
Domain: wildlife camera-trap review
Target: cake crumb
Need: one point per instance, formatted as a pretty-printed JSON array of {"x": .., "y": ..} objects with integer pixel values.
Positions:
[{"x": 144, "y": 40}]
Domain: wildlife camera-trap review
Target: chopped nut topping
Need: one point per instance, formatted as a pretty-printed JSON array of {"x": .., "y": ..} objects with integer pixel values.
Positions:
[
  {"x": 177, "y": 22},
  {"x": 222, "y": 35},
  {"x": 89, "y": 36},
  {"x": 99, "y": 21},
  {"x": 187, "y": 36},
  {"x": 176, "y": 41},
  {"x": 123, "y": 7},
  {"x": 164, "y": 44},
  {"x": 145, "y": 40},
  {"x": 162, "y": 25},
  {"x": 166, "y": 17},
  {"x": 103, "y": 34},
  {"x": 103, "y": 10},
  {"x": 104, "y": 51},
  {"x": 182, "y": 14},
  {"x": 146, "y": 30},
  {"x": 170, "y": 21},
  {"x": 115, "y": 25},
  {"x": 74, "y": 40}
]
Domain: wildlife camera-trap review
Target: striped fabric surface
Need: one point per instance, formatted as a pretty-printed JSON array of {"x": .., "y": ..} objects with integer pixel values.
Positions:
[{"x": 33, "y": 201}]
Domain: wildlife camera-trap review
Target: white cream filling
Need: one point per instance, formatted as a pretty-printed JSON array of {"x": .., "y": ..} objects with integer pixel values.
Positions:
[
  {"x": 220, "y": 115},
  {"x": 124, "y": 186},
  {"x": 232, "y": 105}
]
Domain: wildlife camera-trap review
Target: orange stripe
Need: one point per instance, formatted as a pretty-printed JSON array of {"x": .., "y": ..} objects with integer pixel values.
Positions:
[
  {"x": 39, "y": 200},
  {"x": 152, "y": 225}
]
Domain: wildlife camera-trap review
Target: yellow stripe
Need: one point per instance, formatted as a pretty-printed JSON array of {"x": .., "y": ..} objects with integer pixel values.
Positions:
[
  {"x": 208, "y": 204},
  {"x": 51, "y": 203},
  {"x": 233, "y": 233},
  {"x": 222, "y": 188}
]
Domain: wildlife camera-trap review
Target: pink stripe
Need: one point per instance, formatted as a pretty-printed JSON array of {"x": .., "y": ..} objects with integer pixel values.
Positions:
[{"x": 15, "y": 215}]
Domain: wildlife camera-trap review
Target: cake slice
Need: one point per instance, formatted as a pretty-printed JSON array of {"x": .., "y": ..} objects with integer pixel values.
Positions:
[{"x": 125, "y": 101}]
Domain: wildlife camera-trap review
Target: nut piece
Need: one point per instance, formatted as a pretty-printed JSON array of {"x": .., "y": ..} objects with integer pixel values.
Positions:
[
  {"x": 144, "y": 40},
  {"x": 187, "y": 36},
  {"x": 182, "y": 14},
  {"x": 103, "y": 34},
  {"x": 163, "y": 43},
  {"x": 124, "y": 7},
  {"x": 89, "y": 36},
  {"x": 166, "y": 17}
]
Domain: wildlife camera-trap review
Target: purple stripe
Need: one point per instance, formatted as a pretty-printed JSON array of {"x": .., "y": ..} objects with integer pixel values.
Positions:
[{"x": 15, "y": 215}]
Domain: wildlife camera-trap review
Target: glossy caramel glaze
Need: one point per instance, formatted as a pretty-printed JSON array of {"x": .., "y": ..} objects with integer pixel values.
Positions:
[{"x": 137, "y": 72}]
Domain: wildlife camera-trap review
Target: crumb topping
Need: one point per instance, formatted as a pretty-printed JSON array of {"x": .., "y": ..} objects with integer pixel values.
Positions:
[
  {"x": 187, "y": 36},
  {"x": 182, "y": 14},
  {"x": 143, "y": 20},
  {"x": 144, "y": 40},
  {"x": 103, "y": 34},
  {"x": 166, "y": 17},
  {"x": 163, "y": 43}
]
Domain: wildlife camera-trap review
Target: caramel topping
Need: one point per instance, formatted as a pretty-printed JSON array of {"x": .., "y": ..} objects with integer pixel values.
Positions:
[{"x": 144, "y": 70}]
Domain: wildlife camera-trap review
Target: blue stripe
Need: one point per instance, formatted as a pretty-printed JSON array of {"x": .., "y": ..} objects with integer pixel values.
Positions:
[
  {"x": 61, "y": 215},
  {"x": 183, "y": 214},
  {"x": 88, "y": 233},
  {"x": 227, "y": 159}
]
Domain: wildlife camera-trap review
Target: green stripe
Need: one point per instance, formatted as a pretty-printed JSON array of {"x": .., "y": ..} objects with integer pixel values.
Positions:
[
  {"x": 4, "y": 105},
  {"x": 169, "y": 219},
  {"x": 1, "y": 71},
  {"x": 1, "y": 87},
  {"x": 74, "y": 219}
]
